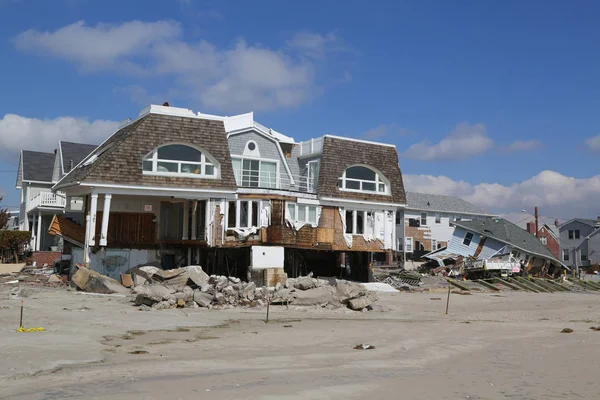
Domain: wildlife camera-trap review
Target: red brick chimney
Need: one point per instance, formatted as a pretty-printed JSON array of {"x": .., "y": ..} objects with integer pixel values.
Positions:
[{"x": 531, "y": 227}]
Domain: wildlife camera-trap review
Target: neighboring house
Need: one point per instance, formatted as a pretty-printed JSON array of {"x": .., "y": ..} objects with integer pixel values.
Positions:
[
  {"x": 37, "y": 172},
  {"x": 547, "y": 236},
  {"x": 13, "y": 221},
  {"x": 579, "y": 242},
  {"x": 495, "y": 236},
  {"x": 427, "y": 221},
  {"x": 233, "y": 196}
]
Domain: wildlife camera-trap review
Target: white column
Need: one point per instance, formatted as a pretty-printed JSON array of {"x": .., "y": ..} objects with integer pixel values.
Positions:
[
  {"x": 86, "y": 246},
  {"x": 93, "y": 211},
  {"x": 194, "y": 219},
  {"x": 403, "y": 221},
  {"x": 105, "y": 215},
  {"x": 186, "y": 218},
  {"x": 39, "y": 232},
  {"x": 32, "y": 241}
]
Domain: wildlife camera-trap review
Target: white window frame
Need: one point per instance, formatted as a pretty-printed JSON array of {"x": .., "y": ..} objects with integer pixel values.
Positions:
[
  {"x": 239, "y": 180},
  {"x": 422, "y": 217},
  {"x": 379, "y": 180},
  {"x": 409, "y": 244},
  {"x": 438, "y": 218},
  {"x": 366, "y": 228},
  {"x": 238, "y": 209},
  {"x": 470, "y": 240},
  {"x": 544, "y": 240},
  {"x": 581, "y": 256},
  {"x": 311, "y": 183},
  {"x": 565, "y": 254},
  {"x": 306, "y": 207},
  {"x": 204, "y": 162}
]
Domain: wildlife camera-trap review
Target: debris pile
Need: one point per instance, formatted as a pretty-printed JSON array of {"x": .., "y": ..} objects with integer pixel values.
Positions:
[
  {"x": 398, "y": 278},
  {"x": 192, "y": 287}
]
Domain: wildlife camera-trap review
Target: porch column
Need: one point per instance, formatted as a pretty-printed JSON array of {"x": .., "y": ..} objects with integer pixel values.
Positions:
[
  {"x": 186, "y": 218},
  {"x": 194, "y": 219},
  {"x": 93, "y": 211},
  {"x": 39, "y": 232},
  {"x": 105, "y": 215},
  {"x": 33, "y": 239}
]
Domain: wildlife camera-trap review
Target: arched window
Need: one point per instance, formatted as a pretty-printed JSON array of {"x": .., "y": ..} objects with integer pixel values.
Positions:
[
  {"x": 363, "y": 179},
  {"x": 179, "y": 159}
]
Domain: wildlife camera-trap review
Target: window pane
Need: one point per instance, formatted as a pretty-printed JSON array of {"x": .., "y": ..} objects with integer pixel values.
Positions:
[
  {"x": 312, "y": 214},
  {"x": 237, "y": 169},
  {"x": 352, "y": 184},
  {"x": 250, "y": 173},
  {"x": 360, "y": 226},
  {"x": 468, "y": 239},
  {"x": 179, "y": 152},
  {"x": 244, "y": 214},
  {"x": 302, "y": 213},
  {"x": 268, "y": 174},
  {"x": 146, "y": 165},
  {"x": 360, "y": 173},
  {"x": 382, "y": 188},
  {"x": 254, "y": 213},
  {"x": 167, "y": 167},
  {"x": 340, "y": 183},
  {"x": 577, "y": 234},
  {"x": 291, "y": 211},
  {"x": 368, "y": 186},
  {"x": 209, "y": 170},
  {"x": 231, "y": 214},
  {"x": 349, "y": 221},
  {"x": 191, "y": 168}
]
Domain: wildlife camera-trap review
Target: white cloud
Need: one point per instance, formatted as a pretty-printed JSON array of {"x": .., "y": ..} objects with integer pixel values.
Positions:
[
  {"x": 17, "y": 133},
  {"x": 593, "y": 143},
  {"x": 240, "y": 77},
  {"x": 557, "y": 195},
  {"x": 465, "y": 141},
  {"x": 523, "y": 145}
]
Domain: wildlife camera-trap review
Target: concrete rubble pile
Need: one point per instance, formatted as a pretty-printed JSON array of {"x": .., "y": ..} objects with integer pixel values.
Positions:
[{"x": 192, "y": 287}]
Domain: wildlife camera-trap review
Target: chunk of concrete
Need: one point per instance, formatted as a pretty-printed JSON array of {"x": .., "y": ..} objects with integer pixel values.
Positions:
[
  {"x": 54, "y": 279},
  {"x": 346, "y": 290},
  {"x": 320, "y": 296},
  {"x": 93, "y": 282},
  {"x": 230, "y": 292},
  {"x": 203, "y": 299},
  {"x": 155, "y": 291},
  {"x": 197, "y": 275},
  {"x": 219, "y": 298},
  {"x": 362, "y": 302},
  {"x": 248, "y": 291},
  {"x": 305, "y": 283}
]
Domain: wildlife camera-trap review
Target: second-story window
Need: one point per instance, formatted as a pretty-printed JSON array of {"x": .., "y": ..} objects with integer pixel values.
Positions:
[
  {"x": 574, "y": 234},
  {"x": 423, "y": 219},
  {"x": 179, "y": 159},
  {"x": 302, "y": 213},
  {"x": 363, "y": 179},
  {"x": 254, "y": 173}
]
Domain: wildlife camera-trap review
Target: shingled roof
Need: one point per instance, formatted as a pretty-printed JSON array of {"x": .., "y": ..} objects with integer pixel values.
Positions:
[
  {"x": 119, "y": 159},
  {"x": 441, "y": 203},
  {"x": 37, "y": 166},
  {"x": 507, "y": 232},
  {"x": 340, "y": 153},
  {"x": 75, "y": 152}
]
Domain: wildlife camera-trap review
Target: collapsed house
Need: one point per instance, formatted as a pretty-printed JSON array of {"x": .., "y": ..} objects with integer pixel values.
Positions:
[
  {"x": 175, "y": 188},
  {"x": 494, "y": 239}
]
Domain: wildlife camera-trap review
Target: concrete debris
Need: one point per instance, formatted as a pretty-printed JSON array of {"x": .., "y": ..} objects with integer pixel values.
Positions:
[
  {"x": 54, "y": 279},
  {"x": 93, "y": 282},
  {"x": 364, "y": 347},
  {"x": 157, "y": 292}
]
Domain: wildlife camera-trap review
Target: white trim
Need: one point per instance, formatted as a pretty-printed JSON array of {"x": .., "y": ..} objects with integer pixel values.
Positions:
[
  {"x": 379, "y": 179},
  {"x": 62, "y": 167},
  {"x": 337, "y": 201},
  {"x": 178, "y": 175},
  {"x": 308, "y": 201},
  {"x": 279, "y": 192},
  {"x": 41, "y": 182},
  {"x": 360, "y": 141},
  {"x": 266, "y": 135},
  {"x": 191, "y": 193}
]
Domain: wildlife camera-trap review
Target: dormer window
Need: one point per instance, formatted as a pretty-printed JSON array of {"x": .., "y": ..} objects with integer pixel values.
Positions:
[
  {"x": 179, "y": 160},
  {"x": 363, "y": 179}
]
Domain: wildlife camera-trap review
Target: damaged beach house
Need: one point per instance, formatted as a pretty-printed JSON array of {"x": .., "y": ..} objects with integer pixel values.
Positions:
[
  {"x": 175, "y": 188},
  {"x": 493, "y": 247}
]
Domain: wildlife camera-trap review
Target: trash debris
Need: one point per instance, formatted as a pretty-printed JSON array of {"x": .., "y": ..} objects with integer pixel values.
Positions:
[
  {"x": 595, "y": 328},
  {"x": 39, "y": 329},
  {"x": 567, "y": 330},
  {"x": 364, "y": 347}
]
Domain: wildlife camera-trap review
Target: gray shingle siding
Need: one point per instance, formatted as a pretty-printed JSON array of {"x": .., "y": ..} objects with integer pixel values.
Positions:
[
  {"x": 574, "y": 246},
  {"x": 267, "y": 149}
]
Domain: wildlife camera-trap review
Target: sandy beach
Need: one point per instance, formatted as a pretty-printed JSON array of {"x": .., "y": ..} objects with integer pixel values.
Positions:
[{"x": 505, "y": 345}]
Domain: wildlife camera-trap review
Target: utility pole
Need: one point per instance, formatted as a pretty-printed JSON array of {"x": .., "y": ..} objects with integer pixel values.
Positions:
[{"x": 537, "y": 230}]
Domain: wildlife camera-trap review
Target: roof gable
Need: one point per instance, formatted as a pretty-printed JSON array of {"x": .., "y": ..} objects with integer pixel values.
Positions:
[
  {"x": 590, "y": 222},
  {"x": 73, "y": 153},
  {"x": 119, "y": 159},
  {"x": 441, "y": 203},
  {"x": 339, "y": 154},
  {"x": 37, "y": 166}
]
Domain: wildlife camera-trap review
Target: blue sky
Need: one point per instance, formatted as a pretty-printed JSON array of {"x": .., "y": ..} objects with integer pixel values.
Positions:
[{"x": 493, "y": 101}]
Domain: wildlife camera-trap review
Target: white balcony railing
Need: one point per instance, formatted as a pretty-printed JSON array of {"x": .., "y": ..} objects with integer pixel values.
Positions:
[
  {"x": 312, "y": 146},
  {"x": 272, "y": 180},
  {"x": 47, "y": 199}
]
